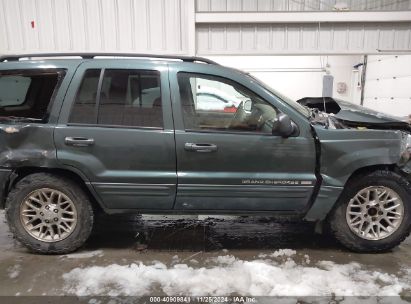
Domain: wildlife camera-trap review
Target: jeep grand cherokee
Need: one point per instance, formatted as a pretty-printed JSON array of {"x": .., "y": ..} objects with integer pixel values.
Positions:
[{"x": 81, "y": 133}]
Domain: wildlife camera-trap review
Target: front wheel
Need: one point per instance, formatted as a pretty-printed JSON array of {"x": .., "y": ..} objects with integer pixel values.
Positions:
[
  {"x": 49, "y": 214},
  {"x": 374, "y": 212}
]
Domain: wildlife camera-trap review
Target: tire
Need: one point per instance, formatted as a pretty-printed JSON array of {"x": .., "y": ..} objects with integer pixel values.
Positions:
[
  {"x": 75, "y": 211},
  {"x": 339, "y": 223}
]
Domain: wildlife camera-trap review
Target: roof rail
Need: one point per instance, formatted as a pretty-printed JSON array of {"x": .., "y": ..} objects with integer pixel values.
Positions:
[{"x": 17, "y": 57}]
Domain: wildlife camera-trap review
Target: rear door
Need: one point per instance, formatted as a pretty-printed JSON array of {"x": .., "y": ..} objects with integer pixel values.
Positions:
[
  {"x": 116, "y": 128},
  {"x": 227, "y": 157}
]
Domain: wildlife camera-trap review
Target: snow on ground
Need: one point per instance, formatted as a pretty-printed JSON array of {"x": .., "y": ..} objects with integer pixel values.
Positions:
[
  {"x": 278, "y": 253},
  {"x": 278, "y": 275}
]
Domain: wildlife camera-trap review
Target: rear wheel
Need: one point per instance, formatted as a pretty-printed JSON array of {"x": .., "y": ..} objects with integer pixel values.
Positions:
[
  {"x": 373, "y": 213},
  {"x": 49, "y": 214}
]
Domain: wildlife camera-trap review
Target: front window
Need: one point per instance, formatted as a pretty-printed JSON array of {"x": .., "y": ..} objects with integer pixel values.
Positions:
[{"x": 218, "y": 104}]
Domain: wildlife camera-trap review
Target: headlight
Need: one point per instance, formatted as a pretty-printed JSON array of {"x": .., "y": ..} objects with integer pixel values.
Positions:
[
  {"x": 406, "y": 146},
  {"x": 408, "y": 143},
  {"x": 405, "y": 160}
]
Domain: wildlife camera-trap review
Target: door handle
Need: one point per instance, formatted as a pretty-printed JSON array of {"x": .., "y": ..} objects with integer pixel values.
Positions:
[
  {"x": 79, "y": 141},
  {"x": 200, "y": 147}
]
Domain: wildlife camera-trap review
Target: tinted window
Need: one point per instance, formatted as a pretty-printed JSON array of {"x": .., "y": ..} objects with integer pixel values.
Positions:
[
  {"x": 215, "y": 103},
  {"x": 127, "y": 98},
  {"x": 27, "y": 94},
  {"x": 131, "y": 98},
  {"x": 84, "y": 105}
]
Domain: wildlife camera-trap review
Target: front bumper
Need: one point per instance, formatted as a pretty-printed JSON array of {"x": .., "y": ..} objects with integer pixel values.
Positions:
[{"x": 4, "y": 184}]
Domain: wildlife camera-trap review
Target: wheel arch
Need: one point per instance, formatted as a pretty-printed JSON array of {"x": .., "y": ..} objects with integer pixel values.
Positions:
[
  {"x": 71, "y": 174},
  {"x": 360, "y": 172},
  {"x": 328, "y": 198},
  {"x": 369, "y": 169}
]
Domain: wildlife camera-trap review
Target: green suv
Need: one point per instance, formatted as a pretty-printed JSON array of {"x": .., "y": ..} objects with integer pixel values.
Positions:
[{"x": 83, "y": 133}]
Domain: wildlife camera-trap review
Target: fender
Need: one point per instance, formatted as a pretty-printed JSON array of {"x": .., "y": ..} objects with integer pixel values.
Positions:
[{"x": 344, "y": 152}]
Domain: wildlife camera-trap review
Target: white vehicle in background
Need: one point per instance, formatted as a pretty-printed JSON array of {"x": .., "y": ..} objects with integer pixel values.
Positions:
[{"x": 212, "y": 99}]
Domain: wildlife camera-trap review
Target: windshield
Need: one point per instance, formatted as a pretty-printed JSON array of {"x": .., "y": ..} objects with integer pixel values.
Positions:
[{"x": 303, "y": 110}]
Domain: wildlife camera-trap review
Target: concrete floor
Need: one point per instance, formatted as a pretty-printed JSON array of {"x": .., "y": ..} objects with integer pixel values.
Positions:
[{"x": 124, "y": 239}]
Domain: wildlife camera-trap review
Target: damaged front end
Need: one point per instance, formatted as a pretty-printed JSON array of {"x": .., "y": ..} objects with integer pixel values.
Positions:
[
  {"x": 342, "y": 114},
  {"x": 334, "y": 114}
]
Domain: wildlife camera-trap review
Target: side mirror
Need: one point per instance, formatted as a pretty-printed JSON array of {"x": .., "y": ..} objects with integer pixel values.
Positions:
[{"x": 283, "y": 126}]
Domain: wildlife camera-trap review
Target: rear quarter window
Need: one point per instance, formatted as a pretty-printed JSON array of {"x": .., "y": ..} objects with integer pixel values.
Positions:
[
  {"x": 28, "y": 93},
  {"x": 13, "y": 90}
]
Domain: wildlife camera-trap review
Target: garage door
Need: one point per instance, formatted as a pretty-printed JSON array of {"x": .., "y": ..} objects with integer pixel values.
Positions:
[{"x": 388, "y": 84}]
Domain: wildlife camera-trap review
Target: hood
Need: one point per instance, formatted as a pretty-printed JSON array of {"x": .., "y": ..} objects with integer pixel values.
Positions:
[{"x": 353, "y": 114}]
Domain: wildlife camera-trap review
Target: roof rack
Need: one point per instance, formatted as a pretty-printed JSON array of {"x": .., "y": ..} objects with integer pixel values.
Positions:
[{"x": 17, "y": 57}]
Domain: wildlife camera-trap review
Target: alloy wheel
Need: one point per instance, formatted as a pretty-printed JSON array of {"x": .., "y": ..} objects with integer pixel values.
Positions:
[
  {"x": 48, "y": 215},
  {"x": 375, "y": 213}
]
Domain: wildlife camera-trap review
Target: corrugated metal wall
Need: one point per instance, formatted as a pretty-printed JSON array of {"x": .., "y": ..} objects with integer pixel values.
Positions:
[
  {"x": 293, "y": 38},
  {"x": 169, "y": 26},
  {"x": 300, "y": 5},
  {"x": 80, "y": 25}
]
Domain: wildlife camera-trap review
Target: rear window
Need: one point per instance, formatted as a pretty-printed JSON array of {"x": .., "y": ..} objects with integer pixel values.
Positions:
[
  {"x": 27, "y": 94},
  {"x": 127, "y": 97}
]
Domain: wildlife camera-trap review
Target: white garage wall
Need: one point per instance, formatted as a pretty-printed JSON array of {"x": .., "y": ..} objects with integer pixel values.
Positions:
[
  {"x": 206, "y": 27},
  {"x": 299, "y": 76},
  {"x": 388, "y": 84},
  {"x": 300, "y": 5},
  {"x": 302, "y": 38},
  {"x": 158, "y": 26}
]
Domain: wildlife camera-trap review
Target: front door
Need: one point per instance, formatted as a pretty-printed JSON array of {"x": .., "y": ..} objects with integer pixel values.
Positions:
[
  {"x": 227, "y": 157},
  {"x": 116, "y": 128}
]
